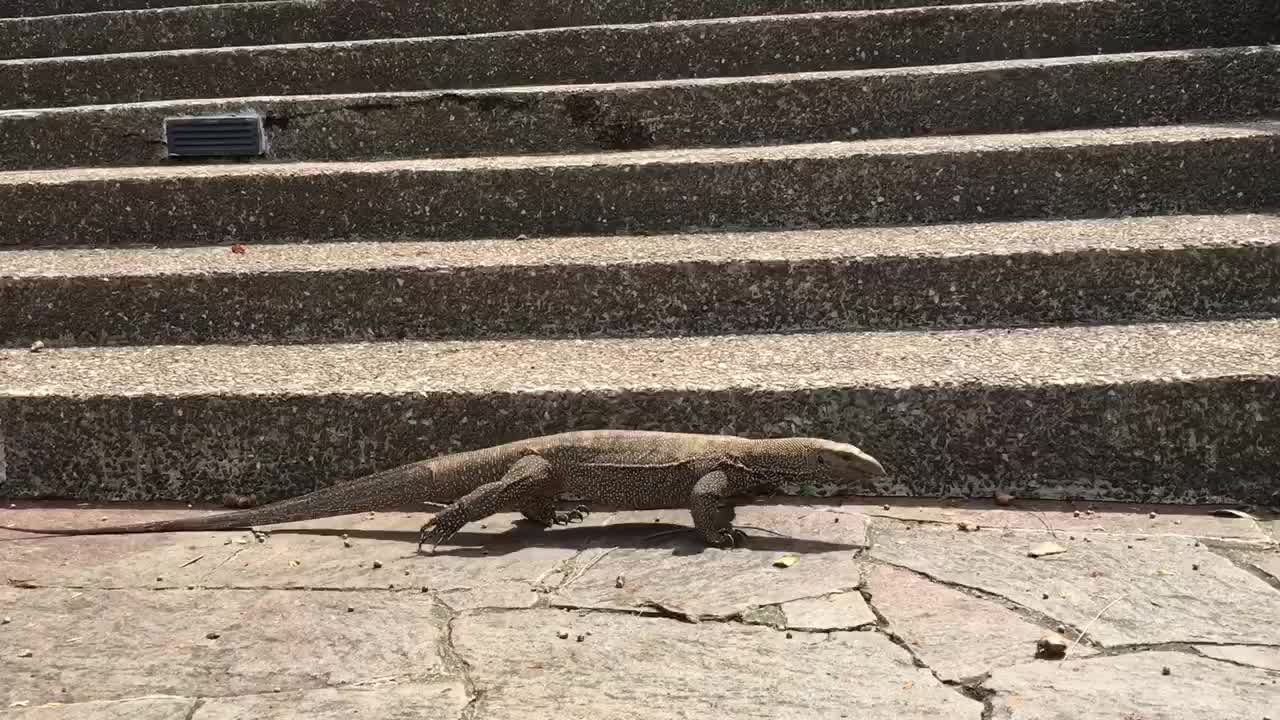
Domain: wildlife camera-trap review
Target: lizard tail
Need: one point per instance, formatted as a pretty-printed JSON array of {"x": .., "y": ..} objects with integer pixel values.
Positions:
[{"x": 385, "y": 490}]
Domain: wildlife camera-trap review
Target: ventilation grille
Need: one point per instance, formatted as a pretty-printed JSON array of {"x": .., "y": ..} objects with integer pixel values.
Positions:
[{"x": 214, "y": 136}]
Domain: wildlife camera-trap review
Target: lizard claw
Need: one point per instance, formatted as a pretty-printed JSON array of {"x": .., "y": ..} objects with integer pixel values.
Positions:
[{"x": 726, "y": 538}]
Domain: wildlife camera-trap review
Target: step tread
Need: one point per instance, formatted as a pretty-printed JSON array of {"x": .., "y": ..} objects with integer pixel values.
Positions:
[
  {"x": 1181, "y": 352},
  {"x": 946, "y": 240},
  {"x": 949, "y": 144},
  {"x": 305, "y": 101}
]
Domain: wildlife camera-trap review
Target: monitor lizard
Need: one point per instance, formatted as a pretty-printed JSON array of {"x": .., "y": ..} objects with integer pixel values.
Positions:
[{"x": 602, "y": 469}]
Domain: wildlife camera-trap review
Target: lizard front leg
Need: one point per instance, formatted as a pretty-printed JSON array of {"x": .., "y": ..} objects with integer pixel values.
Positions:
[
  {"x": 529, "y": 484},
  {"x": 713, "y": 511}
]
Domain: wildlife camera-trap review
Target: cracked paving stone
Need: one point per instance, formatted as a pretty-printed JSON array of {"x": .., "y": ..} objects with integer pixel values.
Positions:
[
  {"x": 842, "y": 611},
  {"x": 1268, "y": 563},
  {"x": 150, "y": 708},
  {"x": 154, "y": 642},
  {"x": 681, "y": 575},
  {"x": 504, "y": 577},
  {"x": 1118, "y": 518},
  {"x": 950, "y": 630},
  {"x": 676, "y": 670},
  {"x": 1132, "y": 686},
  {"x": 1267, "y": 658},
  {"x": 1163, "y": 598}
]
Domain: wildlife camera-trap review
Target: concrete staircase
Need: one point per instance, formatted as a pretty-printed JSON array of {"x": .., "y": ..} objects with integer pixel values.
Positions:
[{"x": 1028, "y": 246}]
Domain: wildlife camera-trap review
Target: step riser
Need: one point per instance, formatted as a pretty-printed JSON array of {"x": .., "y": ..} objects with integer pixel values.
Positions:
[
  {"x": 617, "y": 54},
  {"x": 1100, "y": 442},
  {"x": 1229, "y": 174},
  {"x": 299, "y": 22},
  {"x": 1113, "y": 286},
  {"x": 1129, "y": 90}
]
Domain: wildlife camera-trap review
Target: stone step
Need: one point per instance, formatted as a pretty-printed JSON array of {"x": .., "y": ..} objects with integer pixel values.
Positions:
[
  {"x": 1177, "y": 86},
  {"x": 1093, "y": 173},
  {"x": 942, "y": 276},
  {"x": 38, "y": 8},
  {"x": 653, "y": 51},
  {"x": 1186, "y": 412},
  {"x": 304, "y": 21}
]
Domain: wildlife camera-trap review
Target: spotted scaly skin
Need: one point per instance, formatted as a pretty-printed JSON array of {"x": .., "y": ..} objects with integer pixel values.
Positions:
[{"x": 594, "y": 469}]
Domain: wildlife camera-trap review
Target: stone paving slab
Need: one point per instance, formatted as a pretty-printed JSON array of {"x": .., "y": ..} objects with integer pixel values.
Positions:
[
  {"x": 1133, "y": 686},
  {"x": 1267, "y": 658},
  {"x": 157, "y": 642},
  {"x": 678, "y": 671},
  {"x": 1000, "y": 96},
  {"x": 951, "y": 631},
  {"x": 894, "y": 278},
  {"x": 678, "y": 576},
  {"x": 1084, "y": 173},
  {"x": 1126, "y": 590},
  {"x": 331, "y": 648},
  {"x": 301, "y": 21},
  {"x": 1076, "y": 517},
  {"x": 655, "y": 51}
]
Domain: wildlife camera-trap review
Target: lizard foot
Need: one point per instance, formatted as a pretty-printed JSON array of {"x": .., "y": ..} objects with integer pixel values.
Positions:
[
  {"x": 578, "y": 514},
  {"x": 437, "y": 530},
  {"x": 725, "y": 538}
]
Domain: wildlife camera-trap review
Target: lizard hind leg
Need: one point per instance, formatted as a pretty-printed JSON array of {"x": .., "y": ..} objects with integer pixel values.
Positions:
[{"x": 527, "y": 484}]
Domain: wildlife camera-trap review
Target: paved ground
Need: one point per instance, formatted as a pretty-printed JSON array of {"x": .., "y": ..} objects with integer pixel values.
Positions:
[{"x": 889, "y": 612}]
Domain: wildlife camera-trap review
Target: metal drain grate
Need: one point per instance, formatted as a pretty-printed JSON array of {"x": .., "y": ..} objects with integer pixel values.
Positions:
[{"x": 214, "y": 136}]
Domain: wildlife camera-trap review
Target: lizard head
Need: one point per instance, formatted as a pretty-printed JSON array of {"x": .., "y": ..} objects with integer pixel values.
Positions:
[
  {"x": 841, "y": 461},
  {"x": 816, "y": 460}
]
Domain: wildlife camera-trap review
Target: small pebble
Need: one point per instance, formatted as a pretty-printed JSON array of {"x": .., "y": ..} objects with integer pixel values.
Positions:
[
  {"x": 837, "y": 520},
  {"x": 212, "y": 635},
  {"x": 37, "y": 346},
  {"x": 159, "y": 579},
  {"x": 5, "y": 620},
  {"x": 1165, "y": 670},
  {"x": 1195, "y": 566},
  {"x": 1151, "y": 515},
  {"x": 344, "y": 536},
  {"x": 884, "y": 507},
  {"x": 621, "y": 581},
  {"x": 25, "y": 653},
  {"x": 377, "y": 564},
  {"x": 788, "y": 636},
  {"x": 191, "y": 587},
  {"x": 1061, "y": 629},
  {"x": 1044, "y": 596},
  {"x": 581, "y": 638},
  {"x": 1076, "y": 513},
  {"x": 350, "y": 609},
  {"x": 562, "y": 634},
  {"x": 522, "y": 236},
  {"x": 406, "y": 572},
  {"x": 426, "y": 589},
  {"x": 1051, "y": 646},
  {"x": 346, "y": 543}
]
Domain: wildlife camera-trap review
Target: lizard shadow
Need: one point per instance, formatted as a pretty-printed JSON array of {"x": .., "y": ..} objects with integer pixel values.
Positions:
[{"x": 523, "y": 534}]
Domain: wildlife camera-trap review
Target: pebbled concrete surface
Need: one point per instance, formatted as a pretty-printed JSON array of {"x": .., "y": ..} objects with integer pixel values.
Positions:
[
  {"x": 301, "y": 21},
  {"x": 891, "y": 278},
  {"x": 333, "y": 649},
  {"x": 1087, "y": 173},
  {"x": 1162, "y": 88},
  {"x": 654, "y": 51},
  {"x": 1176, "y": 413}
]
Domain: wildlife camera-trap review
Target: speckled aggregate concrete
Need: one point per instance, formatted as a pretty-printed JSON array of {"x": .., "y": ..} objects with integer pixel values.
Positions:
[
  {"x": 1121, "y": 171},
  {"x": 991, "y": 274},
  {"x": 1171, "y": 412},
  {"x": 296, "y": 21},
  {"x": 35, "y": 8},
  {"x": 617, "y": 53},
  {"x": 1000, "y": 96}
]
